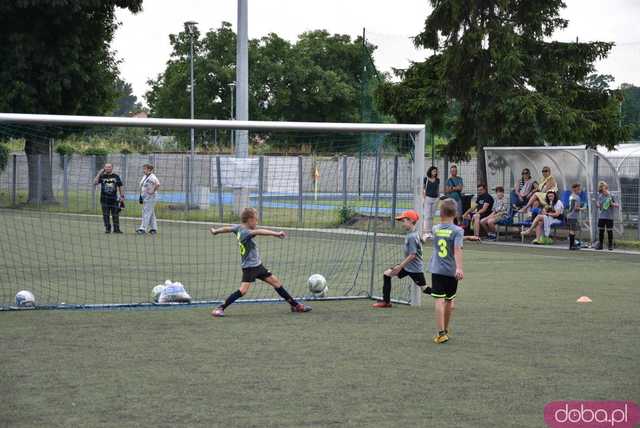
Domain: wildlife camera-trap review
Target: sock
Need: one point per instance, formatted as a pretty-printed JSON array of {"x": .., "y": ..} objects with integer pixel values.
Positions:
[
  {"x": 386, "y": 289},
  {"x": 442, "y": 332},
  {"x": 601, "y": 236},
  {"x": 610, "y": 237},
  {"x": 232, "y": 298},
  {"x": 116, "y": 222},
  {"x": 572, "y": 240},
  {"x": 286, "y": 296}
]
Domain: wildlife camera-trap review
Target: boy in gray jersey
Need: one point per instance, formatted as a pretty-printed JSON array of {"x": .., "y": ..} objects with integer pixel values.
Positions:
[
  {"x": 412, "y": 265},
  {"x": 446, "y": 266},
  {"x": 250, "y": 262}
]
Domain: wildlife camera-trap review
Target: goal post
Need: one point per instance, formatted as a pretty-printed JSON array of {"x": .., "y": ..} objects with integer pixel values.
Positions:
[{"x": 330, "y": 190}]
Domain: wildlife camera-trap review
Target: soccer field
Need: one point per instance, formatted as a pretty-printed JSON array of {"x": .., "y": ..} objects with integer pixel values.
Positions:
[{"x": 519, "y": 340}]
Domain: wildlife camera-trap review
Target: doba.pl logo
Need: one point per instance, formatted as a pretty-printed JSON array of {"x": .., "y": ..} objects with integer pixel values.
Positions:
[{"x": 591, "y": 414}]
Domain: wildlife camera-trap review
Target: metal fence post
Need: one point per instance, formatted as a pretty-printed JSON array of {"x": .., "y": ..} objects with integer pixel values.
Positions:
[
  {"x": 187, "y": 183},
  {"x": 394, "y": 191},
  {"x": 638, "y": 204},
  {"x": 359, "y": 173},
  {"x": 260, "y": 186},
  {"x": 300, "y": 190},
  {"x": 124, "y": 172},
  {"x": 219, "y": 178},
  {"x": 210, "y": 173},
  {"x": 94, "y": 163},
  {"x": 65, "y": 180},
  {"x": 39, "y": 181},
  {"x": 594, "y": 197},
  {"x": 14, "y": 180},
  {"x": 344, "y": 181}
]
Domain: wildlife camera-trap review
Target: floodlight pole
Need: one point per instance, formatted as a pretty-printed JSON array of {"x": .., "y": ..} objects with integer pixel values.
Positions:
[
  {"x": 190, "y": 26},
  {"x": 241, "y": 195}
]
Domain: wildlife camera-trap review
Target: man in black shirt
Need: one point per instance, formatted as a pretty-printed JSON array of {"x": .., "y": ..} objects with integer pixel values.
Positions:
[
  {"x": 110, "y": 184},
  {"x": 484, "y": 205}
]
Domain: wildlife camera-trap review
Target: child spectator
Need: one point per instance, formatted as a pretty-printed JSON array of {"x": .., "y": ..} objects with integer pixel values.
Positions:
[
  {"x": 498, "y": 212},
  {"x": 605, "y": 204}
]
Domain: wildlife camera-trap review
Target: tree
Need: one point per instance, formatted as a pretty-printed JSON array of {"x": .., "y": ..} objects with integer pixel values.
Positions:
[
  {"x": 126, "y": 102},
  {"x": 494, "y": 68},
  {"x": 55, "y": 59},
  {"x": 631, "y": 109},
  {"x": 315, "y": 79}
]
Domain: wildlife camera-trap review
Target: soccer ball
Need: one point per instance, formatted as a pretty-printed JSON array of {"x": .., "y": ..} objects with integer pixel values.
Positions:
[
  {"x": 25, "y": 298},
  {"x": 156, "y": 292},
  {"x": 174, "y": 293},
  {"x": 318, "y": 285}
]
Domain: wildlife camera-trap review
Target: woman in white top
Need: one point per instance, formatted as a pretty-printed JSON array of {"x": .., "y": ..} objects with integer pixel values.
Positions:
[
  {"x": 149, "y": 185},
  {"x": 552, "y": 214}
]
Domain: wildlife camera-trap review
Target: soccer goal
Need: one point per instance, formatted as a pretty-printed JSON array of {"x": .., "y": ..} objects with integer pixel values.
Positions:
[{"x": 335, "y": 188}]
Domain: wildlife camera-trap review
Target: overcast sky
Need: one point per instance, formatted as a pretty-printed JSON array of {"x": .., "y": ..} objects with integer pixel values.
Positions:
[{"x": 142, "y": 41}]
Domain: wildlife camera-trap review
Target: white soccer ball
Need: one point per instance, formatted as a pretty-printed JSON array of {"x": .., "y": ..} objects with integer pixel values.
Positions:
[
  {"x": 25, "y": 298},
  {"x": 156, "y": 292},
  {"x": 318, "y": 285}
]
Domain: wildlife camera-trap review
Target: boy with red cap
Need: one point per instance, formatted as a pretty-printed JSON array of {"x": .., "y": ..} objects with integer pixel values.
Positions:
[{"x": 412, "y": 265}]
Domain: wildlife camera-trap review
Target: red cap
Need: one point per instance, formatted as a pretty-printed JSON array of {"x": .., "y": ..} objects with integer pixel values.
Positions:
[{"x": 410, "y": 214}]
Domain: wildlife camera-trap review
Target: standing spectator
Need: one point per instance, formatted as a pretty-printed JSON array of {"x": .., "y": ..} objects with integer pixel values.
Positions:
[
  {"x": 110, "y": 185},
  {"x": 431, "y": 194},
  {"x": 523, "y": 191},
  {"x": 453, "y": 189},
  {"x": 498, "y": 213},
  {"x": 573, "y": 212},
  {"x": 483, "y": 208},
  {"x": 605, "y": 204},
  {"x": 149, "y": 185}
]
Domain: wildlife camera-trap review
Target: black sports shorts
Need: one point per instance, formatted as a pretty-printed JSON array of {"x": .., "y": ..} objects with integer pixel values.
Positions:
[
  {"x": 250, "y": 274},
  {"x": 417, "y": 277},
  {"x": 443, "y": 286}
]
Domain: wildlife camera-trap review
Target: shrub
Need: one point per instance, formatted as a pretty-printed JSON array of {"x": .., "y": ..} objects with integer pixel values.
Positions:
[
  {"x": 4, "y": 156},
  {"x": 96, "y": 151},
  {"x": 65, "y": 149},
  {"x": 345, "y": 214}
]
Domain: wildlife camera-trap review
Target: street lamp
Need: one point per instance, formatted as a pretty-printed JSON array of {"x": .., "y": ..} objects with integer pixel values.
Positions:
[{"x": 190, "y": 26}]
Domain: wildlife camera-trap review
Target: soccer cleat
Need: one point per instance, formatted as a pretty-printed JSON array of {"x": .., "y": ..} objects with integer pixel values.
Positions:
[
  {"x": 153, "y": 232},
  {"x": 117, "y": 231},
  {"x": 610, "y": 246},
  {"x": 440, "y": 338},
  {"x": 107, "y": 231},
  {"x": 300, "y": 308},
  {"x": 217, "y": 312},
  {"x": 140, "y": 232},
  {"x": 382, "y": 304},
  {"x": 427, "y": 290}
]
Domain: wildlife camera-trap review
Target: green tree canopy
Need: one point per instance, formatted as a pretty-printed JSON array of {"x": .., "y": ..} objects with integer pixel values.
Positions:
[
  {"x": 317, "y": 78},
  {"x": 55, "y": 59},
  {"x": 631, "y": 109},
  {"x": 503, "y": 82}
]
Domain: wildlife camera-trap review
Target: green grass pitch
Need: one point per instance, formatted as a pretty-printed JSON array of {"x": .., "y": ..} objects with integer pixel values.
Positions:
[{"x": 519, "y": 340}]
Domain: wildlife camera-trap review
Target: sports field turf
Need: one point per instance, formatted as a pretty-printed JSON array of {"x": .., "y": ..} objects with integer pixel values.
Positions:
[{"x": 519, "y": 340}]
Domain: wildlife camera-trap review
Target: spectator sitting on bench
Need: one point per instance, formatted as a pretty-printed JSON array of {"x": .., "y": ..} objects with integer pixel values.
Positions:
[
  {"x": 482, "y": 209},
  {"x": 498, "y": 213},
  {"x": 551, "y": 215},
  {"x": 524, "y": 190},
  {"x": 547, "y": 184}
]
